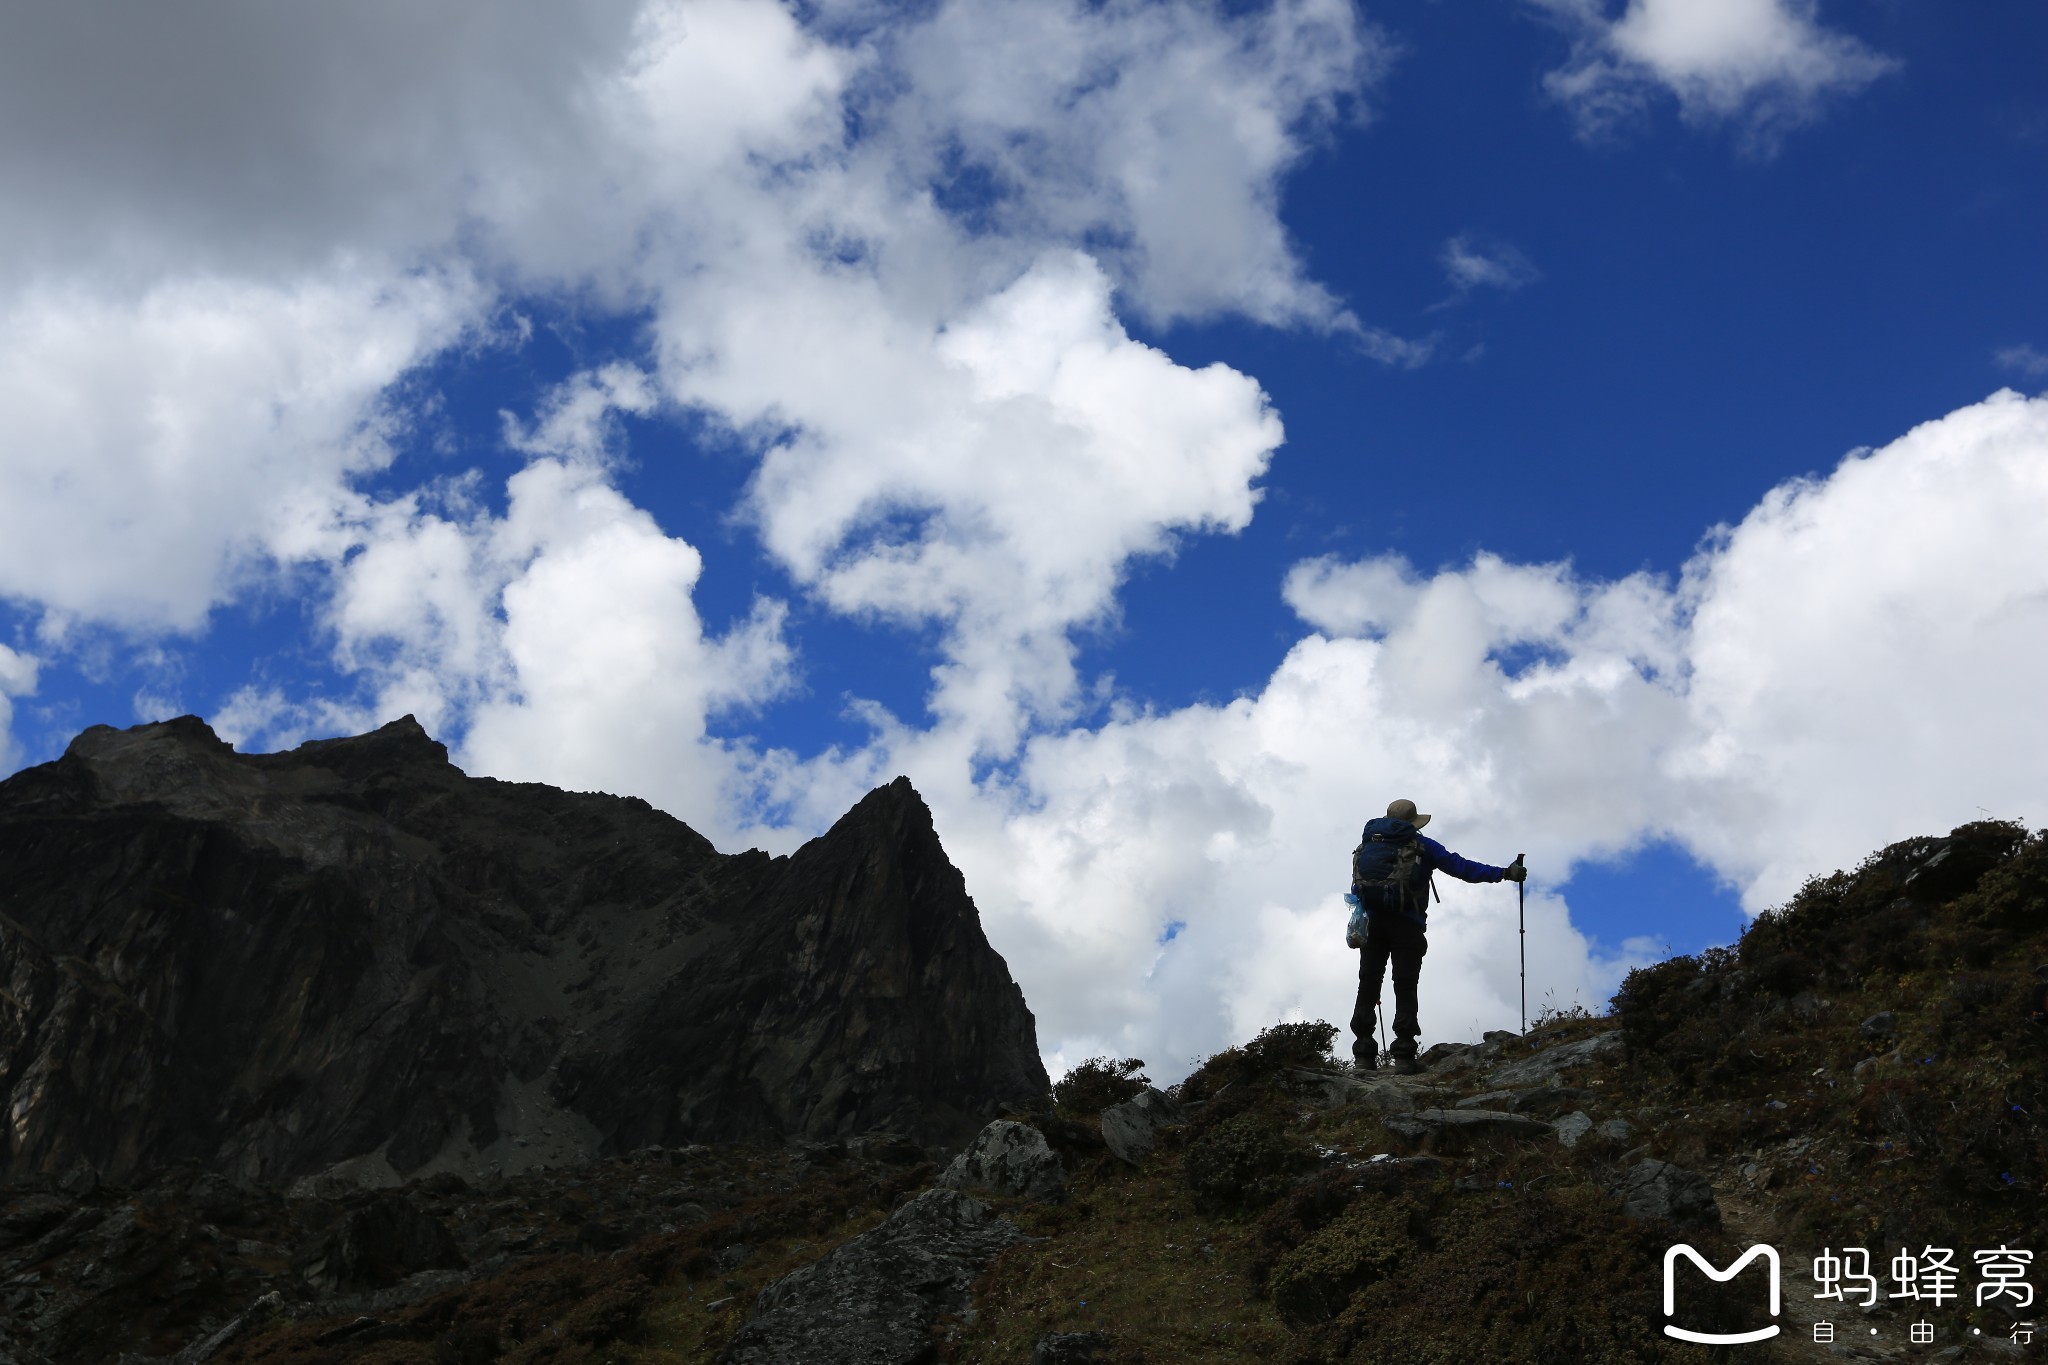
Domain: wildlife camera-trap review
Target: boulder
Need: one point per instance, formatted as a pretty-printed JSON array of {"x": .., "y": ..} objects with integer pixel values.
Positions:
[
  {"x": 1658, "y": 1189},
  {"x": 1007, "y": 1158},
  {"x": 874, "y": 1300},
  {"x": 1879, "y": 1026},
  {"x": 1392, "y": 1094},
  {"x": 1615, "y": 1130},
  {"x": 1444, "y": 1056},
  {"x": 1131, "y": 1129},
  {"x": 1450, "y": 1127},
  {"x": 1572, "y": 1127}
]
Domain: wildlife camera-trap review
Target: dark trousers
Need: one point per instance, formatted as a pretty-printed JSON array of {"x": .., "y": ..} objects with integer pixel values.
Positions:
[{"x": 1402, "y": 941}]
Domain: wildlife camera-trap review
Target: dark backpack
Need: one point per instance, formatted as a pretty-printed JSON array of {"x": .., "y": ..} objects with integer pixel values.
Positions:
[{"x": 1389, "y": 874}]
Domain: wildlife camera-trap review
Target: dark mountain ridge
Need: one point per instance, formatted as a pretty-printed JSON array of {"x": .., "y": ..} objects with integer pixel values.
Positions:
[{"x": 352, "y": 957}]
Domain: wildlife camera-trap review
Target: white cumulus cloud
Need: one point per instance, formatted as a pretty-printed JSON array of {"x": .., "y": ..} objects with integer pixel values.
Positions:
[
  {"x": 1041, "y": 449},
  {"x": 1763, "y": 66},
  {"x": 152, "y": 448},
  {"x": 1159, "y": 131}
]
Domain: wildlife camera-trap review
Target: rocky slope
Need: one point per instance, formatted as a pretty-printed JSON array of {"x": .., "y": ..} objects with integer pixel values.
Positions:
[
  {"x": 353, "y": 959},
  {"x": 1864, "y": 1072}
]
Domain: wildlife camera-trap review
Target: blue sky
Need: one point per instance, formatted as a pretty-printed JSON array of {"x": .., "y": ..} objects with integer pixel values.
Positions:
[{"x": 1165, "y": 433}]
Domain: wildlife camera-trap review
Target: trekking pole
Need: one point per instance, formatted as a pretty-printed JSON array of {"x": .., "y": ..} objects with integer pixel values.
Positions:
[
  {"x": 1381, "y": 1010},
  {"x": 1522, "y": 930}
]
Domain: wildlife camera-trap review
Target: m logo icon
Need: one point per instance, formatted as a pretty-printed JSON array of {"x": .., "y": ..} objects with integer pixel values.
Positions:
[{"x": 1769, "y": 1253}]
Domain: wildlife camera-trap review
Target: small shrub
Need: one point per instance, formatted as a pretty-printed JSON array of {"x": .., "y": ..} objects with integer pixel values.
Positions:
[
  {"x": 1284, "y": 1045},
  {"x": 1243, "y": 1164},
  {"x": 2013, "y": 895},
  {"x": 1901, "y": 1109},
  {"x": 1971, "y": 851},
  {"x": 1098, "y": 1083},
  {"x": 1264, "y": 1059},
  {"x": 1786, "y": 973},
  {"x": 1653, "y": 1001},
  {"x": 1309, "y": 1206},
  {"x": 1315, "y": 1281}
]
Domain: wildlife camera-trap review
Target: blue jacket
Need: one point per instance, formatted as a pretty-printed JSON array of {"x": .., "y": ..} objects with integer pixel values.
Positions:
[{"x": 1439, "y": 858}]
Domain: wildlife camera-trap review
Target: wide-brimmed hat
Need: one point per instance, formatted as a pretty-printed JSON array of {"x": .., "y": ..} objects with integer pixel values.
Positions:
[{"x": 1404, "y": 809}]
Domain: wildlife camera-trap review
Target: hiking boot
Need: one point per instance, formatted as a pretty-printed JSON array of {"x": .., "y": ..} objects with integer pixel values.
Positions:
[
  {"x": 1407, "y": 1066},
  {"x": 1367, "y": 1059}
]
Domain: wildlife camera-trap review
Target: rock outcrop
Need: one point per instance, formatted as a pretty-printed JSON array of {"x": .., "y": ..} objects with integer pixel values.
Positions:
[
  {"x": 1131, "y": 1130},
  {"x": 873, "y": 1301},
  {"x": 352, "y": 958},
  {"x": 1454, "y": 1128},
  {"x": 1008, "y": 1158},
  {"x": 1659, "y": 1189}
]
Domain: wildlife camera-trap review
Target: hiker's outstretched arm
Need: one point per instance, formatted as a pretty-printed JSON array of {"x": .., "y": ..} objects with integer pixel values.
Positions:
[{"x": 1464, "y": 869}]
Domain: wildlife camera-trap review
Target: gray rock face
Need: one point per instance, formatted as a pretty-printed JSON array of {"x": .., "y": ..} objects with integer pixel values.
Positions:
[
  {"x": 1543, "y": 1068},
  {"x": 1382, "y": 1092},
  {"x": 1397, "y": 1095},
  {"x": 1131, "y": 1129},
  {"x": 1451, "y": 1126},
  {"x": 1658, "y": 1189},
  {"x": 1548, "y": 1101},
  {"x": 874, "y": 1299},
  {"x": 1491, "y": 1099},
  {"x": 1878, "y": 1026},
  {"x": 1008, "y": 1158},
  {"x": 1445, "y": 1056},
  {"x": 353, "y": 958}
]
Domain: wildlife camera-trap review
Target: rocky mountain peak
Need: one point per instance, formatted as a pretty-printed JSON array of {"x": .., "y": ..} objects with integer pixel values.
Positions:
[
  {"x": 353, "y": 958},
  {"x": 395, "y": 746}
]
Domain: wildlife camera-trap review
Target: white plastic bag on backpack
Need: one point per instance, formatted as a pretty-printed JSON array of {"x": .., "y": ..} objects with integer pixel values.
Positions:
[{"x": 1354, "y": 932}]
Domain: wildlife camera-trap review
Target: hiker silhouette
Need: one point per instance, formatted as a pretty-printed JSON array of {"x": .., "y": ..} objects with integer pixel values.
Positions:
[{"x": 1390, "y": 876}]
